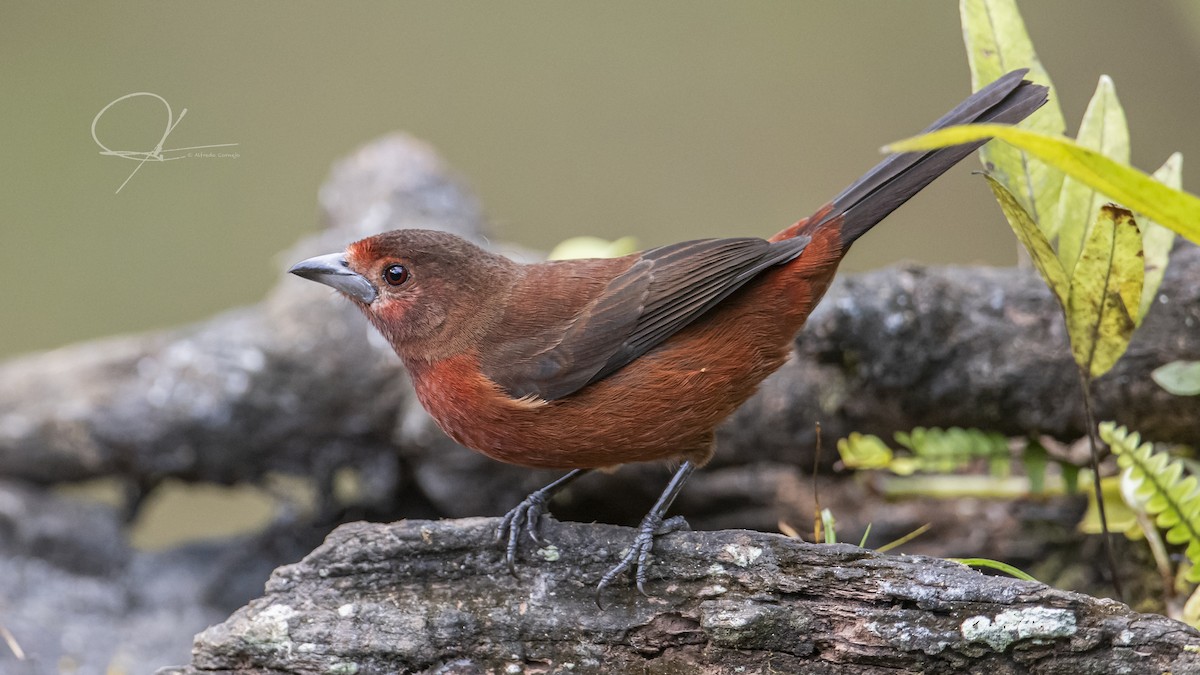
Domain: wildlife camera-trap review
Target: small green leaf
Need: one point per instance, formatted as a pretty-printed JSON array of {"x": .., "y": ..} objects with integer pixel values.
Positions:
[
  {"x": 1036, "y": 459},
  {"x": 1034, "y": 241},
  {"x": 866, "y": 533},
  {"x": 1105, "y": 291},
  {"x": 995, "y": 565},
  {"x": 997, "y": 43},
  {"x": 1156, "y": 239},
  {"x": 861, "y": 451},
  {"x": 829, "y": 526},
  {"x": 1193, "y": 575},
  {"x": 1070, "y": 476},
  {"x": 1104, "y": 130},
  {"x": 1181, "y": 378},
  {"x": 1174, "y": 209},
  {"x": 1185, "y": 491}
]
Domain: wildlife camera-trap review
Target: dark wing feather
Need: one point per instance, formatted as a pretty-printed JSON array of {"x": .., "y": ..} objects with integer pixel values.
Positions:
[
  {"x": 666, "y": 289},
  {"x": 884, "y": 188}
]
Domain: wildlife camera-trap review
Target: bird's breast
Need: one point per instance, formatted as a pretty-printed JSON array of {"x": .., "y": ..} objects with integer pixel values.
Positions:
[
  {"x": 475, "y": 412},
  {"x": 615, "y": 421}
]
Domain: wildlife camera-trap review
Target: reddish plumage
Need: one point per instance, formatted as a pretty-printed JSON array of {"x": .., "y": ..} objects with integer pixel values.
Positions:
[
  {"x": 662, "y": 406},
  {"x": 587, "y": 364}
]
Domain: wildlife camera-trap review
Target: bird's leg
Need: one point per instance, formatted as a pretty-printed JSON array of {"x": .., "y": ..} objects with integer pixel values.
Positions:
[
  {"x": 653, "y": 525},
  {"x": 527, "y": 516}
]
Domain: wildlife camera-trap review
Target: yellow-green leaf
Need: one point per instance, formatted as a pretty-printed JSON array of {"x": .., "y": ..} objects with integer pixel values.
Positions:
[
  {"x": 1181, "y": 378},
  {"x": 864, "y": 451},
  {"x": 1156, "y": 239},
  {"x": 592, "y": 247},
  {"x": 1105, "y": 291},
  {"x": 1033, "y": 240},
  {"x": 1175, "y": 209},
  {"x": 904, "y": 466},
  {"x": 1104, "y": 130},
  {"x": 1120, "y": 517},
  {"x": 1191, "y": 608},
  {"x": 997, "y": 43}
]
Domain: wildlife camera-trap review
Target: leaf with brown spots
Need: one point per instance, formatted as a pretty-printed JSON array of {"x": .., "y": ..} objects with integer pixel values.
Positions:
[{"x": 1106, "y": 289}]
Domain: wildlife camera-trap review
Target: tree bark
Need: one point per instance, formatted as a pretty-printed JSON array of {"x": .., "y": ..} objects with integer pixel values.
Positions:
[{"x": 424, "y": 596}]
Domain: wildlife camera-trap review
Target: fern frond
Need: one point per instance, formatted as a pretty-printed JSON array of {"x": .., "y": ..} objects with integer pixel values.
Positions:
[
  {"x": 947, "y": 450},
  {"x": 1160, "y": 489}
]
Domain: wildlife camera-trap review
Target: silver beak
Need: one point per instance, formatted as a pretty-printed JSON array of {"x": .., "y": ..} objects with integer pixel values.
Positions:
[{"x": 333, "y": 271}]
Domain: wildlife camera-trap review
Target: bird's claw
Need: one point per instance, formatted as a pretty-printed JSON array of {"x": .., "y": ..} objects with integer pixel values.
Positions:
[
  {"x": 639, "y": 553},
  {"x": 524, "y": 517}
]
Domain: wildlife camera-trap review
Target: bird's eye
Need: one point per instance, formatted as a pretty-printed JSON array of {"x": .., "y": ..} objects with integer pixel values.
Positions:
[{"x": 395, "y": 274}]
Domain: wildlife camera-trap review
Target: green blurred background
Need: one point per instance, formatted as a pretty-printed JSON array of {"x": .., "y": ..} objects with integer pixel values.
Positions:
[{"x": 664, "y": 120}]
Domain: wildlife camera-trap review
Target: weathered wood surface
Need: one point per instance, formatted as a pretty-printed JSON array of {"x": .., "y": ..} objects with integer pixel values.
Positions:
[{"x": 426, "y": 596}]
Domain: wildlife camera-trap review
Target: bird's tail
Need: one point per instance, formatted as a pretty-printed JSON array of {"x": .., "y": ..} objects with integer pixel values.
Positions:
[{"x": 893, "y": 181}]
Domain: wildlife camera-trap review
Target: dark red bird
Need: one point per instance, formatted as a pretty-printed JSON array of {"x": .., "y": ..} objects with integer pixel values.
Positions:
[{"x": 586, "y": 364}]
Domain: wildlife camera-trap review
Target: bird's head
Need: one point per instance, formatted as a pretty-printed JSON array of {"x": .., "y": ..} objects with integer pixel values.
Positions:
[{"x": 429, "y": 293}]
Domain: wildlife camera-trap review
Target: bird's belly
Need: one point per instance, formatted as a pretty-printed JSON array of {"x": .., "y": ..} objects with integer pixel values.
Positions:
[
  {"x": 569, "y": 434},
  {"x": 664, "y": 406}
]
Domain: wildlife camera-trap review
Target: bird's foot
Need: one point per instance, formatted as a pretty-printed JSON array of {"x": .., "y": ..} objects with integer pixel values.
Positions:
[
  {"x": 638, "y": 555},
  {"x": 527, "y": 517},
  {"x": 524, "y": 517}
]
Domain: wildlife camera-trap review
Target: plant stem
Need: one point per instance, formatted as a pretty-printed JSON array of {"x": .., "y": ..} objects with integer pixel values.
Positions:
[
  {"x": 816, "y": 493},
  {"x": 1090, "y": 419}
]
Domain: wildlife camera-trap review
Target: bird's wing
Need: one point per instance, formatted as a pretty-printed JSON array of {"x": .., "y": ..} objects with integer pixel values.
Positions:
[{"x": 661, "y": 292}]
